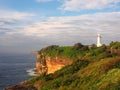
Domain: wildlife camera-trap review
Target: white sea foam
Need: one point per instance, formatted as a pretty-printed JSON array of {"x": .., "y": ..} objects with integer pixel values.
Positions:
[{"x": 31, "y": 72}]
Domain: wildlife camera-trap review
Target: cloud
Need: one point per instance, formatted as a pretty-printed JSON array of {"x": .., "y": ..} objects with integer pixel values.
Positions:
[
  {"x": 10, "y": 21},
  {"x": 75, "y": 5},
  {"x": 44, "y": 0},
  {"x": 70, "y": 29},
  {"x": 64, "y": 30},
  {"x": 14, "y": 15},
  {"x": 66, "y": 26}
]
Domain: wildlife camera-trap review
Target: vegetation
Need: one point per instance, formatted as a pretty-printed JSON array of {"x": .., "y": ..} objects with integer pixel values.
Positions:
[
  {"x": 115, "y": 45},
  {"x": 93, "y": 68},
  {"x": 79, "y": 51}
]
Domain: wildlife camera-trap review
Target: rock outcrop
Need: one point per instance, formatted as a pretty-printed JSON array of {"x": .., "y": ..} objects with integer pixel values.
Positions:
[
  {"x": 47, "y": 64},
  {"x": 21, "y": 86}
]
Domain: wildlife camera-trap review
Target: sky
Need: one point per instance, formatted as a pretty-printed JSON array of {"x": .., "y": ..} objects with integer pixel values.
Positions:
[{"x": 29, "y": 25}]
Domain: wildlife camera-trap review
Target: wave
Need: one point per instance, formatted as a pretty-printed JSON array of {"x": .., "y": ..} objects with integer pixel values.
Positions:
[{"x": 32, "y": 72}]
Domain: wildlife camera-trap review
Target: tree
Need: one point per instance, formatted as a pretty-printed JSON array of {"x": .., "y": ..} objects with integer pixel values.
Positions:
[{"x": 77, "y": 46}]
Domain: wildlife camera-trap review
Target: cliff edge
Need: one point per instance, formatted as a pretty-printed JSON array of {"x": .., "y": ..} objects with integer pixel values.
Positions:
[{"x": 47, "y": 64}]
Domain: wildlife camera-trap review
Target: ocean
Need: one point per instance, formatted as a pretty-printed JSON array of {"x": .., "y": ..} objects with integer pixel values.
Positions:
[{"x": 15, "y": 68}]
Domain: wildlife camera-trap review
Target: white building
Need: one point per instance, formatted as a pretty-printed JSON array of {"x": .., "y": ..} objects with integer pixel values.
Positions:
[{"x": 99, "y": 40}]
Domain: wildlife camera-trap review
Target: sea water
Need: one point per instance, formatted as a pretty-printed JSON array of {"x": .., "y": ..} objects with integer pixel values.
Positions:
[{"x": 15, "y": 68}]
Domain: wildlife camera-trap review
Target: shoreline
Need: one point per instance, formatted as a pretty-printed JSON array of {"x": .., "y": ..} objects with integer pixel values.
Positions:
[
  {"x": 23, "y": 84},
  {"x": 32, "y": 72}
]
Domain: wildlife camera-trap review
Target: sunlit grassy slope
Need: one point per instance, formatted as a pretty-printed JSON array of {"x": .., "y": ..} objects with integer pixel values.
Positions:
[{"x": 93, "y": 68}]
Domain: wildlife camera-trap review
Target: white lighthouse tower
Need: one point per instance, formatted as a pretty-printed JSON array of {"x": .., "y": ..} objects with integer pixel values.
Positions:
[{"x": 99, "y": 40}]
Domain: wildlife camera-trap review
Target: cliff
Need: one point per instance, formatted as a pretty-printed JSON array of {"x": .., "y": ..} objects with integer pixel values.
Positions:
[
  {"x": 47, "y": 64},
  {"x": 83, "y": 75}
]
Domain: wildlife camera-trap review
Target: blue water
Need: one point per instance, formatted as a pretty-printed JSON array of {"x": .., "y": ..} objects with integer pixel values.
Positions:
[{"x": 13, "y": 68}]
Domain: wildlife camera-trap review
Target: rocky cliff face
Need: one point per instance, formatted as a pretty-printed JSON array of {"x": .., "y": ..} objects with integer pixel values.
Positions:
[{"x": 47, "y": 65}]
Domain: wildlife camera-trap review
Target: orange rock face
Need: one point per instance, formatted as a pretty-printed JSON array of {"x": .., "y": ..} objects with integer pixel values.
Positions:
[{"x": 50, "y": 65}]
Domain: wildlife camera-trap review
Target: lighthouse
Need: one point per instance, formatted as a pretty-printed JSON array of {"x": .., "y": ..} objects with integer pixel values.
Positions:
[{"x": 99, "y": 40}]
